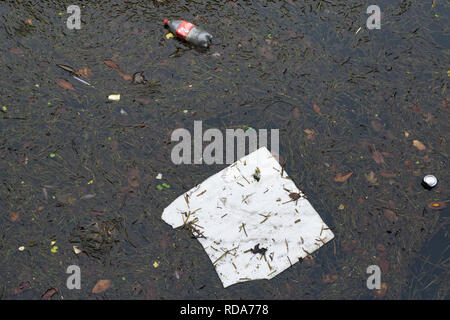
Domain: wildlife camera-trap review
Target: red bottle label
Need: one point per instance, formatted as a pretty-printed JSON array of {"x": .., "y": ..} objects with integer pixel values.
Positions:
[{"x": 184, "y": 28}]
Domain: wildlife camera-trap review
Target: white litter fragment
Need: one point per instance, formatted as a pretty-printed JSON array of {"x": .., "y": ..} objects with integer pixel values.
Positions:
[
  {"x": 76, "y": 250},
  {"x": 114, "y": 97},
  {"x": 251, "y": 219},
  {"x": 159, "y": 176},
  {"x": 358, "y": 30}
]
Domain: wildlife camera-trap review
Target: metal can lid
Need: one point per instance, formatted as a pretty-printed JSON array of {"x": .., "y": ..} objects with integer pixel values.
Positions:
[{"x": 430, "y": 181}]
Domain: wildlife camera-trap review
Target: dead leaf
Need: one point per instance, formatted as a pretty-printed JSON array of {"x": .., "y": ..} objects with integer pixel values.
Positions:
[
  {"x": 49, "y": 293},
  {"x": 371, "y": 177},
  {"x": 409, "y": 164},
  {"x": 296, "y": 113},
  {"x": 151, "y": 291},
  {"x": 13, "y": 216},
  {"x": 330, "y": 278},
  {"x": 342, "y": 178},
  {"x": 111, "y": 64},
  {"x": 377, "y": 125},
  {"x": 125, "y": 76},
  {"x": 142, "y": 100},
  {"x": 64, "y": 84},
  {"x": 310, "y": 133},
  {"x": 85, "y": 72},
  {"x": 16, "y": 51},
  {"x": 390, "y": 215},
  {"x": 316, "y": 108},
  {"x": 381, "y": 248},
  {"x": 101, "y": 285},
  {"x": 133, "y": 177},
  {"x": 384, "y": 265},
  {"x": 419, "y": 145},
  {"x": 387, "y": 174},
  {"x": 376, "y": 155},
  {"x": 23, "y": 286}
]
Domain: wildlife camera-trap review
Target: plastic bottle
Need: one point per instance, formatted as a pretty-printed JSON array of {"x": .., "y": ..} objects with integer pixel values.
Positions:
[{"x": 189, "y": 32}]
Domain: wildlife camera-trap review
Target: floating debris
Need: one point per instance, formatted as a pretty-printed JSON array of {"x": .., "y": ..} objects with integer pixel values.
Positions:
[
  {"x": 82, "y": 81},
  {"x": 114, "y": 97},
  {"x": 138, "y": 78},
  {"x": 429, "y": 181},
  {"x": 221, "y": 221}
]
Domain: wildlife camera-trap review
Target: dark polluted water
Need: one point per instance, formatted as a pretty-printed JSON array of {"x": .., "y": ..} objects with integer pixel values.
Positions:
[{"x": 362, "y": 114}]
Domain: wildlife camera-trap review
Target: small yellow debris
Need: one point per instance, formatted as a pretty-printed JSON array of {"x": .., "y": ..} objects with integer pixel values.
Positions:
[
  {"x": 448, "y": 73},
  {"x": 91, "y": 182},
  {"x": 21, "y": 248},
  {"x": 156, "y": 264},
  {"x": 419, "y": 145},
  {"x": 169, "y": 35},
  {"x": 407, "y": 134},
  {"x": 52, "y": 243},
  {"x": 54, "y": 249},
  {"x": 76, "y": 250},
  {"x": 341, "y": 207},
  {"x": 114, "y": 97}
]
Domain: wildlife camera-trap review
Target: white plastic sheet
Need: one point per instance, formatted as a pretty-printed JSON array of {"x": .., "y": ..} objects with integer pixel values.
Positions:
[{"x": 251, "y": 219}]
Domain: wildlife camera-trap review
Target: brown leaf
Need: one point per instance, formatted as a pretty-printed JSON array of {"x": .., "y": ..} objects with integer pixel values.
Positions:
[
  {"x": 371, "y": 177},
  {"x": 409, "y": 163},
  {"x": 23, "y": 286},
  {"x": 384, "y": 265},
  {"x": 64, "y": 84},
  {"x": 97, "y": 213},
  {"x": 316, "y": 108},
  {"x": 330, "y": 278},
  {"x": 13, "y": 216},
  {"x": 133, "y": 177},
  {"x": 125, "y": 76},
  {"x": 310, "y": 133},
  {"x": 288, "y": 288},
  {"x": 111, "y": 64},
  {"x": 390, "y": 215},
  {"x": 419, "y": 145},
  {"x": 85, "y": 72},
  {"x": 151, "y": 291},
  {"x": 349, "y": 245},
  {"x": 142, "y": 100},
  {"x": 376, "y": 155},
  {"x": 101, "y": 285},
  {"x": 342, "y": 178},
  {"x": 381, "y": 248},
  {"x": 377, "y": 125},
  {"x": 49, "y": 293},
  {"x": 387, "y": 174},
  {"x": 296, "y": 113},
  {"x": 16, "y": 51}
]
